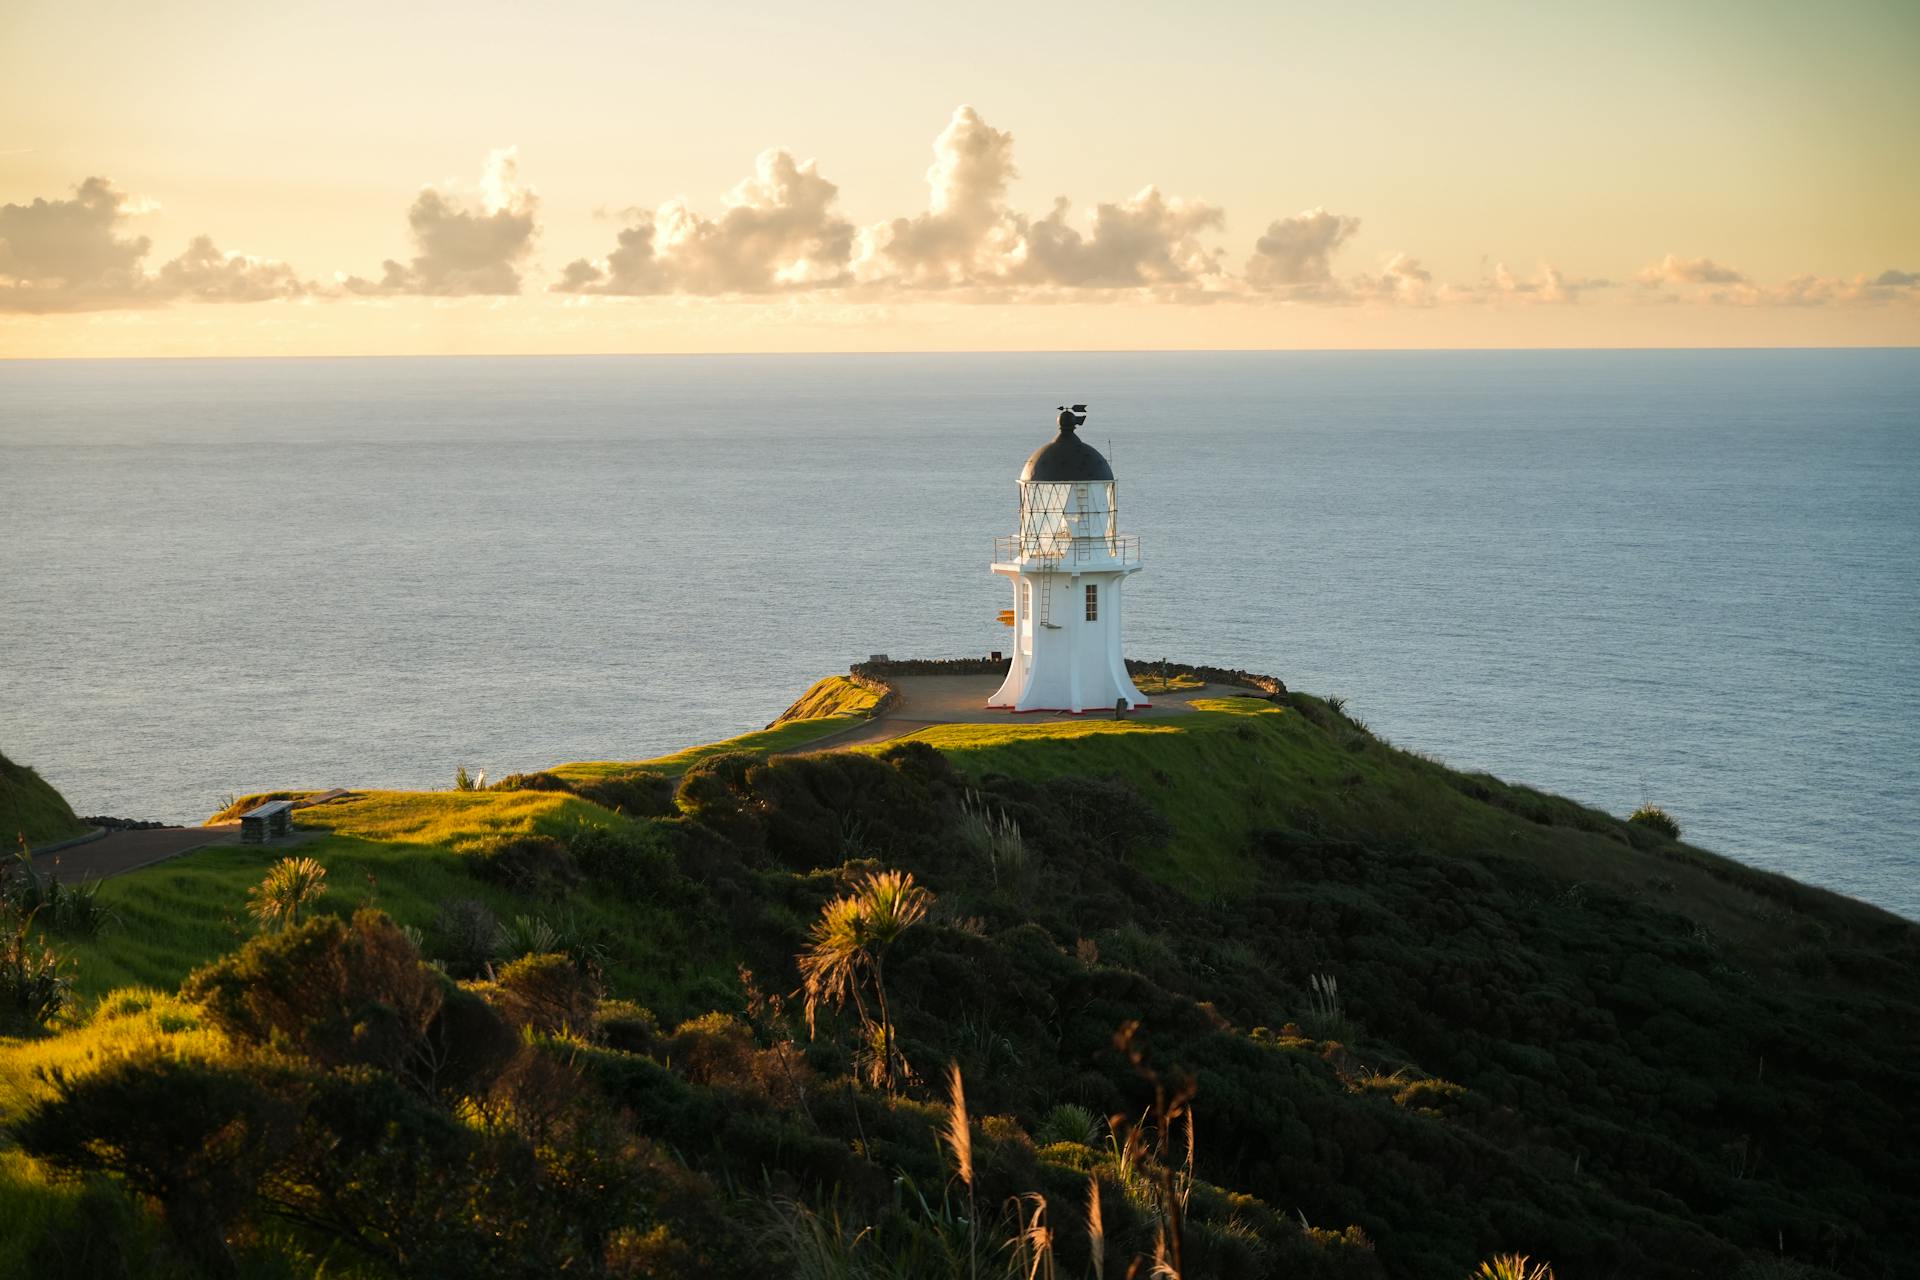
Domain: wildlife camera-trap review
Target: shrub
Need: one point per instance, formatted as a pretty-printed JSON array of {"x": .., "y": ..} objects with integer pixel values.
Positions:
[
  {"x": 633, "y": 859},
  {"x": 1111, "y": 815},
  {"x": 464, "y": 933},
  {"x": 626, "y": 1026},
  {"x": 532, "y": 782},
  {"x": 548, "y": 994},
  {"x": 74, "y": 910},
  {"x": 196, "y": 1138},
  {"x": 343, "y": 995},
  {"x": 640, "y": 794},
  {"x": 1653, "y": 817},
  {"x": 533, "y": 865},
  {"x": 1068, "y": 1123},
  {"x": 33, "y": 990}
]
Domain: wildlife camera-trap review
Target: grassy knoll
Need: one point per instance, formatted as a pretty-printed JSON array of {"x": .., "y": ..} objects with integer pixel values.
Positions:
[
  {"x": 788, "y": 736},
  {"x": 30, "y": 807},
  {"x": 1428, "y": 1016},
  {"x": 832, "y": 696}
]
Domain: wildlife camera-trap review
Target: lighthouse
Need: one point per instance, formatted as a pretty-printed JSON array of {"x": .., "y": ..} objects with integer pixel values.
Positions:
[{"x": 1068, "y": 565}]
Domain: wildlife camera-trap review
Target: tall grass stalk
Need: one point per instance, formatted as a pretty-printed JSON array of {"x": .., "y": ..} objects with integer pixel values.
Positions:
[
  {"x": 994, "y": 833},
  {"x": 1096, "y": 1228}
]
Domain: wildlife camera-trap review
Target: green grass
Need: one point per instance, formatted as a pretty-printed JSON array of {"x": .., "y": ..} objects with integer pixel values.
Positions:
[
  {"x": 833, "y": 696},
  {"x": 400, "y": 851},
  {"x": 1239, "y": 764},
  {"x": 789, "y": 736},
  {"x": 30, "y": 806}
]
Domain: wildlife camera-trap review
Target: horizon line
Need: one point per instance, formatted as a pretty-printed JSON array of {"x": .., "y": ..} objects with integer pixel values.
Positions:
[{"x": 965, "y": 351}]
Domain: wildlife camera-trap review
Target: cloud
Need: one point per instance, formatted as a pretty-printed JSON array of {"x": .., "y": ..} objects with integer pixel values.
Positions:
[
  {"x": 1674, "y": 269},
  {"x": 1146, "y": 241},
  {"x": 68, "y": 255},
  {"x": 463, "y": 251},
  {"x": 1296, "y": 254},
  {"x": 1548, "y": 285},
  {"x": 779, "y": 232},
  {"x": 1819, "y": 291},
  {"x": 967, "y": 234},
  {"x": 1401, "y": 279},
  {"x": 204, "y": 274},
  {"x": 968, "y": 238}
]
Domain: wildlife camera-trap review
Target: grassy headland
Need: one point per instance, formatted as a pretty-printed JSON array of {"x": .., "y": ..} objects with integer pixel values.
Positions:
[
  {"x": 30, "y": 808},
  {"x": 1425, "y": 1016}
]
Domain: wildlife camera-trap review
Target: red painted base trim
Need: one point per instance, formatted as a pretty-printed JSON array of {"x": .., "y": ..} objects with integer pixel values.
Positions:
[{"x": 1064, "y": 711}]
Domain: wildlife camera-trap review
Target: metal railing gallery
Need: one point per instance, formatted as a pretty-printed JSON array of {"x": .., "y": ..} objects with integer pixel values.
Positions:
[{"x": 1065, "y": 549}]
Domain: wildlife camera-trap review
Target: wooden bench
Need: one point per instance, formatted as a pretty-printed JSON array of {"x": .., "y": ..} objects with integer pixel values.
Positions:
[{"x": 270, "y": 820}]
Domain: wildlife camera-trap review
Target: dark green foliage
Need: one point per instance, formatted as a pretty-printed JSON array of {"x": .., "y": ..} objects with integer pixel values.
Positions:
[
  {"x": 1513, "y": 1039},
  {"x": 1654, "y": 818},
  {"x": 196, "y": 1138},
  {"x": 102, "y": 1240},
  {"x": 532, "y": 782},
  {"x": 73, "y": 910},
  {"x": 534, "y": 866},
  {"x": 463, "y": 936},
  {"x": 634, "y": 860},
  {"x": 34, "y": 987},
  {"x": 549, "y": 994},
  {"x": 346, "y": 995},
  {"x": 640, "y": 794}
]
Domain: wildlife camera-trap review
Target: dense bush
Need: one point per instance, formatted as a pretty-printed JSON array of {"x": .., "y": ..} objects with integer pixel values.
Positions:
[
  {"x": 1655, "y": 818},
  {"x": 640, "y": 794},
  {"x": 535, "y": 866}
]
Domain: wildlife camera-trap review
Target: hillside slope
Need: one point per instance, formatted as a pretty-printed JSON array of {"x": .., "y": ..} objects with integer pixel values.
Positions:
[
  {"x": 1283, "y": 998},
  {"x": 30, "y": 807}
]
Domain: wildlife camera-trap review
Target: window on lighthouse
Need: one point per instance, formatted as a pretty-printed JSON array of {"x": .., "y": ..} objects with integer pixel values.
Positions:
[
  {"x": 1026, "y": 599},
  {"x": 1093, "y": 603}
]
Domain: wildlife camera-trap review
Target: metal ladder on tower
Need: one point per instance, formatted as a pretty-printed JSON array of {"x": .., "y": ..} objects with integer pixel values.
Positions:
[{"x": 1046, "y": 602}]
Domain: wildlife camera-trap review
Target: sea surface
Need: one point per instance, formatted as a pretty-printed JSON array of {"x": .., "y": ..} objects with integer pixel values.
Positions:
[{"x": 1691, "y": 578}]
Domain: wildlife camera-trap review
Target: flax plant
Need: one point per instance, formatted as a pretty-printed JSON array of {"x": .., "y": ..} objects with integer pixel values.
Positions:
[{"x": 292, "y": 883}]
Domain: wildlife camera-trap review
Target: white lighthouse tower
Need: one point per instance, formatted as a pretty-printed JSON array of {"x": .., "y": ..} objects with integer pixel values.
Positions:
[{"x": 1068, "y": 565}]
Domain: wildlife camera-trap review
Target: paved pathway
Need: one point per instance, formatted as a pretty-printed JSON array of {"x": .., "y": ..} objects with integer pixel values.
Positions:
[
  {"x": 118, "y": 852},
  {"x": 926, "y": 701}
]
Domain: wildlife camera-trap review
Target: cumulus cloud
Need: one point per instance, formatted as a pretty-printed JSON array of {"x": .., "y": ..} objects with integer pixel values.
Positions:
[
  {"x": 779, "y": 231},
  {"x": 1148, "y": 240},
  {"x": 1674, "y": 269},
  {"x": 1547, "y": 285},
  {"x": 464, "y": 251},
  {"x": 967, "y": 233},
  {"x": 204, "y": 274},
  {"x": 969, "y": 238},
  {"x": 69, "y": 255},
  {"x": 1296, "y": 254}
]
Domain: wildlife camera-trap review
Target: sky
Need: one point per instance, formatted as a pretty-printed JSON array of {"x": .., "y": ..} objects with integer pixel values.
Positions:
[{"x": 206, "y": 178}]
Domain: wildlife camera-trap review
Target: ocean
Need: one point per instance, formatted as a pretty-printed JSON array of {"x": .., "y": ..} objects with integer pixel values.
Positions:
[{"x": 1690, "y": 578}]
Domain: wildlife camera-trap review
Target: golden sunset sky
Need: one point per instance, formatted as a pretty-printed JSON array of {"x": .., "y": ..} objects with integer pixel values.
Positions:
[{"x": 211, "y": 178}]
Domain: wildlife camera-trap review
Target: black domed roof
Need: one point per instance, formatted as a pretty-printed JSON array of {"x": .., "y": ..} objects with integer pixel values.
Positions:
[{"x": 1066, "y": 457}]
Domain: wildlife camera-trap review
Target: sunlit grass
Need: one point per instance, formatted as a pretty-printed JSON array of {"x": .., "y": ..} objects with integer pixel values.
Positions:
[
  {"x": 833, "y": 696},
  {"x": 784, "y": 737},
  {"x": 133, "y": 1020}
]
